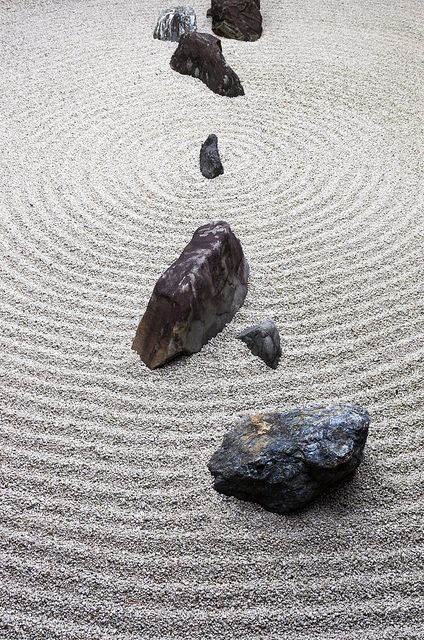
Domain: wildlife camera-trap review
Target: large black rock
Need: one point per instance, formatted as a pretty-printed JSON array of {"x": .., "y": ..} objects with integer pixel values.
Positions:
[
  {"x": 284, "y": 460},
  {"x": 200, "y": 55},
  {"x": 195, "y": 298},
  {"x": 238, "y": 19},
  {"x": 210, "y": 162},
  {"x": 263, "y": 341},
  {"x": 173, "y": 23}
]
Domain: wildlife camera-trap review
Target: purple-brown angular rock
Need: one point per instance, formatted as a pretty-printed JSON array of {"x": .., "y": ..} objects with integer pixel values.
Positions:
[
  {"x": 238, "y": 19},
  {"x": 200, "y": 55},
  {"x": 195, "y": 297}
]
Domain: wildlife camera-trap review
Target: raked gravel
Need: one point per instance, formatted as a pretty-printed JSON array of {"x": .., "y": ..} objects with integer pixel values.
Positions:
[{"x": 109, "y": 524}]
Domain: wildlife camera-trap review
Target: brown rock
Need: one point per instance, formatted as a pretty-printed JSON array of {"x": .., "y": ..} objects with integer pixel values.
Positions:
[
  {"x": 238, "y": 19},
  {"x": 200, "y": 55},
  {"x": 195, "y": 297}
]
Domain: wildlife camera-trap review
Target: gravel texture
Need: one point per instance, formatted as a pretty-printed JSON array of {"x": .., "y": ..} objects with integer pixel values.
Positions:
[{"x": 110, "y": 527}]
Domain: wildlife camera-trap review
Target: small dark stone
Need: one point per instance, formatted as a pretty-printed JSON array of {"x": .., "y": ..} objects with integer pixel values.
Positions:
[
  {"x": 263, "y": 341},
  {"x": 284, "y": 460},
  {"x": 200, "y": 55},
  {"x": 238, "y": 19},
  {"x": 195, "y": 298},
  {"x": 210, "y": 162},
  {"x": 173, "y": 23}
]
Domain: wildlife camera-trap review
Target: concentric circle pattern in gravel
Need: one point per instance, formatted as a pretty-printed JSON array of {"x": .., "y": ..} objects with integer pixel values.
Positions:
[{"x": 109, "y": 525}]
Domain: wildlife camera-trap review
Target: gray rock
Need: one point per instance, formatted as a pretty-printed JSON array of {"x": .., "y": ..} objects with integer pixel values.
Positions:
[
  {"x": 210, "y": 162},
  {"x": 263, "y": 341},
  {"x": 173, "y": 23},
  {"x": 195, "y": 298},
  {"x": 200, "y": 55},
  {"x": 284, "y": 460}
]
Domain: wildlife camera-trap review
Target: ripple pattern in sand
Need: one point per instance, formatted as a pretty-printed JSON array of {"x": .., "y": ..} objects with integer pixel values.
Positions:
[{"x": 109, "y": 526}]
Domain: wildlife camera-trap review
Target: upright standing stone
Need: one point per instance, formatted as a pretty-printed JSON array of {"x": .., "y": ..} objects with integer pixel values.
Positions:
[
  {"x": 210, "y": 162},
  {"x": 195, "y": 298},
  {"x": 284, "y": 460},
  {"x": 200, "y": 55},
  {"x": 173, "y": 23}
]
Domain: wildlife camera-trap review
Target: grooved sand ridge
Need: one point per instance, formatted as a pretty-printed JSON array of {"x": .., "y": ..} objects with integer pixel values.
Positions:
[{"x": 109, "y": 524}]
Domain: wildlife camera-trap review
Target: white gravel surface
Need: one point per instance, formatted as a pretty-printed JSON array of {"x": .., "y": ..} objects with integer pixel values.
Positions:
[{"x": 109, "y": 525}]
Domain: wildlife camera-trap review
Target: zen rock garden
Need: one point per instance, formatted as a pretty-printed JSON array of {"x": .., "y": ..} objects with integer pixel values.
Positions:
[{"x": 281, "y": 461}]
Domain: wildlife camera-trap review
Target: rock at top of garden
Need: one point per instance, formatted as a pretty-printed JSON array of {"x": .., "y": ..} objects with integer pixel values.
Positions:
[
  {"x": 238, "y": 19},
  {"x": 175, "y": 22}
]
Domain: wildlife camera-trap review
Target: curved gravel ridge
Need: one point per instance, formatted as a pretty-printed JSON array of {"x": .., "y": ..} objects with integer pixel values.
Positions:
[{"x": 109, "y": 526}]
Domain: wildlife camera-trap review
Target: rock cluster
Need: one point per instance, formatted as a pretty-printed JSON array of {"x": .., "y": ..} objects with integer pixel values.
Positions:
[
  {"x": 281, "y": 461},
  {"x": 284, "y": 460},
  {"x": 200, "y": 55},
  {"x": 263, "y": 341},
  {"x": 173, "y": 23},
  {"x": 195, "y": 298},
  {"x": 238, "y": 19},
  {"x": 210, "y": 161}
]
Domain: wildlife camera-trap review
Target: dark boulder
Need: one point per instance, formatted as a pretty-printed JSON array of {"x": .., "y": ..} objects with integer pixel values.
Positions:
[
  {"x": 195, "y": 298},
  {"x": 238, "y": 19},
  {"x": 210, "y": 162},
  {"x": 263, "y": 341},
  {"x": 173, "y": 23},
  {"x": 200, "y": 55},
  {"x": 284, "y": 460}
]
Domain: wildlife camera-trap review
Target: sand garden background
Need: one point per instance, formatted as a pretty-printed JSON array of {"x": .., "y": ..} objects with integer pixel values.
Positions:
[{"x": 110, "y": 527}]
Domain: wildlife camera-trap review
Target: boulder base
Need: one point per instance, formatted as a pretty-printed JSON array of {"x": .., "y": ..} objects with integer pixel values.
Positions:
[
  {"x": 284, "y": 460},
  {"x": 195, "y": 298}
]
